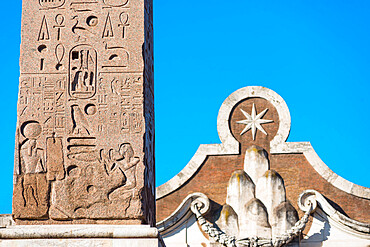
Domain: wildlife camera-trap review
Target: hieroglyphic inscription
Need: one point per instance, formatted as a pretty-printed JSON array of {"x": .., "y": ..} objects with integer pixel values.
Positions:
[
  {"x": 115, "y": 3},
  {"x": 82, "y": 71},
  {"x": 60, "y": 106},
  {"x": 44, "y": 30},
  {"x": 116, "y": 57},
  {"x": 59, "y": 24},
  {"x": 47, "y": 95},
  {"x": 108, "y": 29},
  {"x": 82, "y": 91},
  {"x": 123, "y": 17},
  {"x": 50, "y": 4},
  {"x": 48, "y": 105},
  {"x": 59, "y": 54},
  {"x": 125, "y": 94}
]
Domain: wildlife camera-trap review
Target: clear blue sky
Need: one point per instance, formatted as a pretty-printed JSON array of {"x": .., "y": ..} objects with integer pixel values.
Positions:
[{"x": 315, "y": 54}]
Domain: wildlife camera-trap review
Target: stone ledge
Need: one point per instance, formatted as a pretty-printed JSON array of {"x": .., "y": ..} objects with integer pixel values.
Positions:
[
  {"x": 78, "y": 231},
  {"x": 83, "y": 242}
]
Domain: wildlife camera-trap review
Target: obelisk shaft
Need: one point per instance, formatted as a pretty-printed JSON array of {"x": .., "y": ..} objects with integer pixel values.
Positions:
[{"x": 85, "y": 130}]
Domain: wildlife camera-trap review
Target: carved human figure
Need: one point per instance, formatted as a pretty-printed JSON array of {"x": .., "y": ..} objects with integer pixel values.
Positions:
[
  {"x": 68, "y": 110},
  {"x": 128, "y": 162},
  {"x": 31, "y": 157},
  {"x": 90, "y": 185},
  {"x": 32, "y": 165},
  {"x": 124, "y": 161}
]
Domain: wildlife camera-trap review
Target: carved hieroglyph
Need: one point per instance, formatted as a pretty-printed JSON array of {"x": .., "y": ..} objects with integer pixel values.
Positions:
[{"x": 85, "y": 130}]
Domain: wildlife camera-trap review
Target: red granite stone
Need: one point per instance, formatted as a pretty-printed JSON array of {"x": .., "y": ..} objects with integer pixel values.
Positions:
[{"x": 85, "y": 129}]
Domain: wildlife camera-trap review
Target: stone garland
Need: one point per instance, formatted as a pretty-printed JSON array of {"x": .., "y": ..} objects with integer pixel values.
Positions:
[{"x": 231, "y": 241}]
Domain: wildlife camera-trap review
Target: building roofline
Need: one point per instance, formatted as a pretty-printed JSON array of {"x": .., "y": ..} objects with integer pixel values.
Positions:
[{"x": 229, "y": 145}]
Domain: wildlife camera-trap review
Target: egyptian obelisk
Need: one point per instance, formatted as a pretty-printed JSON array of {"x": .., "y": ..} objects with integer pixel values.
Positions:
[{"x": 84, "y": 150}]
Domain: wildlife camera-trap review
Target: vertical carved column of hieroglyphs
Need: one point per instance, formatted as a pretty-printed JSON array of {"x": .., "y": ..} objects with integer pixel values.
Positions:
[{"x": 85, "y": 129}]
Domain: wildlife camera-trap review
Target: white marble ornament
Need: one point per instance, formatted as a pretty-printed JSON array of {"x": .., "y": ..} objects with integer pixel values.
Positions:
[{"x": 254, "y": 121}]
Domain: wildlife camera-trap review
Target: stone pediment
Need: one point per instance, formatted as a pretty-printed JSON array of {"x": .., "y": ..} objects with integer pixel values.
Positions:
[
  {"x": 276, "y": 142},
  {"x": 253, "y": 180}
]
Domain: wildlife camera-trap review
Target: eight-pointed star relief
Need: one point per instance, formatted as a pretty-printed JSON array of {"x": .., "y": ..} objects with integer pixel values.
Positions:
[{"x": 254, "y": 121}]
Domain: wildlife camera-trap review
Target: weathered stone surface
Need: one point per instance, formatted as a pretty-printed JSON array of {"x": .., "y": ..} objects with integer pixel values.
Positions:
[
  {"x": 133, "y": 242},
  {"x": 255, "y": 222},
  {"x": 240, "y": 190},
  {"x": 80, "y": 235},
  {"x": 256, "y": 162},
  {"x": 228, "y": 220},
  {"x": 85, "y": 130},
  {"x": 259, "y": 210},
  {"x": 271, "y": 191},
  {"x": 283, "y": 218}
]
